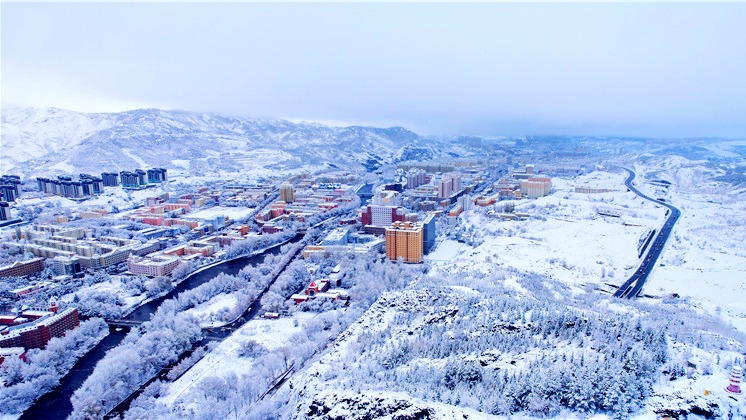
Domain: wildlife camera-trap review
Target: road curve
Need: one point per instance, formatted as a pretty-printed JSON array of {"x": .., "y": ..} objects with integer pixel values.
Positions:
[{"x": 632, "y": 287}]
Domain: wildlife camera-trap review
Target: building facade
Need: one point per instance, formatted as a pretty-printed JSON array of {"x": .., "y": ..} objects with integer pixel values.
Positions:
[
  {"x": 157, "y": 175},
  {"x": 42, "y": 327},
  {"x": 22, "y": 269},
  {"x": 404, "y": 240},
  {"x": 428, "y": 233},
  {"x": 382, "y": 215},
  {"x": 536, "y": 186},
  {"x": 110, "y": 179},
  {"x": 153, "y": 266},
  {"x": 4, "y": 211},
  {"x": 287, "y": 193}
]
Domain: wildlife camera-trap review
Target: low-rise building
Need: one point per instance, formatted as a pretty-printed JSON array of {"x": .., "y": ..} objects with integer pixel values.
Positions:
[
  {"x": 320, "y": 289},
  {"x": 23, "y": 268},
  {"x": 38, "y": 328},
  {"x": 153, "y": 265},
  {"x": 12, "y": 352}
]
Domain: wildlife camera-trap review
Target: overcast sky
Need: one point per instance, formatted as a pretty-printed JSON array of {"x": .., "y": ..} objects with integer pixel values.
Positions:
[{"x": 482, "y": 69}]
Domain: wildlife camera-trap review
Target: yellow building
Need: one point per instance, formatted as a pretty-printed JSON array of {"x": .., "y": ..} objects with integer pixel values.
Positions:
[{"x": 404, "y": 240}]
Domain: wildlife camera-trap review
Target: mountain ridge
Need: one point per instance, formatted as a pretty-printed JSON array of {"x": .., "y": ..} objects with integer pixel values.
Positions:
[{"x": 44, "y": 140}]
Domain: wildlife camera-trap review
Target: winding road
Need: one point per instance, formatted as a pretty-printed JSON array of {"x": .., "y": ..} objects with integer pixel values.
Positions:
[{"x": 633, "y": 286}]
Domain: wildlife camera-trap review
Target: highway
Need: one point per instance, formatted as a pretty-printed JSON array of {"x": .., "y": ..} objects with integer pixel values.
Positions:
[{"x": 633, "y": 286}]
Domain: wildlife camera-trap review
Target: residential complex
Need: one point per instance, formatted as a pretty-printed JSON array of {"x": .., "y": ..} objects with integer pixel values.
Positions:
[
  {"x": 33, "y": 329},
  {"x": 157, "y": 175},
  {"x": 85, "y": 186},
  {"x": 52, "y": 241},
  {"x": 23, "y": 268}
]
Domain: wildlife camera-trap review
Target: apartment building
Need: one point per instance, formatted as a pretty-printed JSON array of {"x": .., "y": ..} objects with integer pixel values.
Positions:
[{"x": 404, "y": 240}]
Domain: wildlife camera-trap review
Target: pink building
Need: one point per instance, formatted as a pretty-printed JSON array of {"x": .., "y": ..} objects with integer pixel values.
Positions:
[
  {"x": 736, "y": 375},
  {"x": 152, "y": 266}
]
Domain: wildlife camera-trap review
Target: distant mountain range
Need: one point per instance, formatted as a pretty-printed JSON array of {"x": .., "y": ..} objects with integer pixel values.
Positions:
[{"x": 46, "y": 141}]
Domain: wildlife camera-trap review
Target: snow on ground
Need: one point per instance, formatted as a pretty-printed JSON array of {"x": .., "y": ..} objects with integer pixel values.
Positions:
[
  {"x": 63, "y": 166},
  {"x": 212, "y": 313},
  {"x": 565, "y": 237},
  {"x": 115, "y": 287},
  {"x": 705, "y": 257},
  {"x": 112, "y": 197},
  {"x": 445, "y": 251},
  {"x": 349, "y": 404},
  {"x": 140, "y": 162},
  {"x": 181, "y": 163},
  {"x": 271, "y": 333},
  {"x": 379, "y": 317},
  {"x": 232, "y": 213}
]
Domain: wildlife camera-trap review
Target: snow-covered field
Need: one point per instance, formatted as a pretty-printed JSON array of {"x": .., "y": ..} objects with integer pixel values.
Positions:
[
  {"x": 212, "y": 313},
  {"x": 445, "y": 251},
  {"x": 705, "y": 258},
  {"x": 225, "y": 358},
  {"x": 565, "y": 237},
  {"x": 112, "y": 197}
]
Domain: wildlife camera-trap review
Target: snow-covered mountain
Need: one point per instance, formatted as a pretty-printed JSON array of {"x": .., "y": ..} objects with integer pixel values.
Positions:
[{"x": 36, "y": 141}]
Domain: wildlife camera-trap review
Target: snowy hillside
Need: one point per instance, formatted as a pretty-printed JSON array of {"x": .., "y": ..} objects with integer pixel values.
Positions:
[{"x": 36, "y": 141}]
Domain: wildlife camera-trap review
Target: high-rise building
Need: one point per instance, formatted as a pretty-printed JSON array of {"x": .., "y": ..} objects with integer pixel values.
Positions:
[
  {"x": 4, "y": 211},
  {"x": 8, "y": 192},
  {"x": 287, "y": 193},
  {"x": 428, "y": 233},
  {"x": 91, "y": 184},
  {"x": 110, "y": 179},
  {"x": 157, "y": 175},
  {"x": 382, "y": 215},
  {"x": 445, "y": 188},
  {"x": 12, "y": 180},
  {"x": 415, "y": 178},
  {"x": 536, "y": 186},
  {"x": 142, "y": 177},
  {"x": 456, "y": 182},
  {"x": 87, "y": 186},
  {"x": 404, "y": 240},
  {"x": 130, "y": 179},
  {"x": 448, "y": 185}
]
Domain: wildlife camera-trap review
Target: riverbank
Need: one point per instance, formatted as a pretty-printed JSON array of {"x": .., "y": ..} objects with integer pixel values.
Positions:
[{"x": 56, "y": 404}]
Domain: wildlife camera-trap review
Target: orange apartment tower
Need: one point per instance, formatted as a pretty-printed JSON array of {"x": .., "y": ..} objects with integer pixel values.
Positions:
[{"x": 404, "y": 240}]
